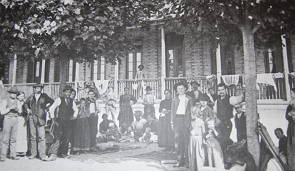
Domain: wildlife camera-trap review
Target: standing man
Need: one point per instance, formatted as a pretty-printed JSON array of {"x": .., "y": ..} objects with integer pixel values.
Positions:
[
  {"x": 36, "y": 106},
  {"x": 93, "y": 118},
  {"x": 224, "y": 113},
  {"x": 66, "y": 111},
  {"x": 180, "y": 121},
  {"x": 10, "y": 108}
]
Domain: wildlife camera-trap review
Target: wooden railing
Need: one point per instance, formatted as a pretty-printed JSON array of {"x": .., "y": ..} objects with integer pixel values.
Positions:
[{"x": 137, "y": 87}]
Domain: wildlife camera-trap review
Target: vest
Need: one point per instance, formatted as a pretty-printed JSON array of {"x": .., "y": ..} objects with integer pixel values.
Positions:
[
  {"x": 224, "y": 109},
  {"x": 65, "y": 110}
]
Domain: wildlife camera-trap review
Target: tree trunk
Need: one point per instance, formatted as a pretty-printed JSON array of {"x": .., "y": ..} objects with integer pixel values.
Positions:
[
  {"x": 62, "y": 73},
  {"x": 251, "y": 98}
]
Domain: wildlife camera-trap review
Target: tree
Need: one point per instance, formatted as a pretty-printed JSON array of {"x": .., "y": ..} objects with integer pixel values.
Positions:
[
  {"x": 82, "y": 30},
  {"x": 249, "y": 16}
]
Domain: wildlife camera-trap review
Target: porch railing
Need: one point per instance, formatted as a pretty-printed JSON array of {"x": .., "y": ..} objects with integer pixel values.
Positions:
[{"x": 137, "y": 87}]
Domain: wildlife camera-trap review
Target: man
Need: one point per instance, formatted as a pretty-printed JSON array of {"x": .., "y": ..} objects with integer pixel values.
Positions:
[
  {"x": 66, "y": 111},
  {"x": 180, "y": 121},
  {"x": 10, "y": 108},
  {"x": 93, "y": 118},
  {"x": 194, "y": 87},
  {"x": 224, "y": 113},
  {"x": 36, "y": 106},
  {"x": 282, "y": 141}
]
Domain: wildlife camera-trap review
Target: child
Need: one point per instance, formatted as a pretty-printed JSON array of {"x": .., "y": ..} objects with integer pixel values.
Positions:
[
  {"x": 196, "y": 152},
  {"x": 138, "y": 125},
  {"x": 149, "y": 101},
  {"x": 82, "y": 137}
]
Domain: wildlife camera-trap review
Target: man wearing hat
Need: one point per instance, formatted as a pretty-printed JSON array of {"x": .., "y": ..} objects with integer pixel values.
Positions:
[
  {"x": 36, "y": 106},
  {"x": 180, "y": 121},
  {"x": 67, "y": 110},
  {"x": 10, "y": 107}
]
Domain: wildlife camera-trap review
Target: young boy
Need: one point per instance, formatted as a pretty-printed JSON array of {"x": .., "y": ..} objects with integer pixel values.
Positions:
[{"x": 138, "y": 125}]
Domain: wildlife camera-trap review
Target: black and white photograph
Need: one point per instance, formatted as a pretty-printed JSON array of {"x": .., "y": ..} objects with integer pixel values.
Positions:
[{"x": 147, "y": 85}]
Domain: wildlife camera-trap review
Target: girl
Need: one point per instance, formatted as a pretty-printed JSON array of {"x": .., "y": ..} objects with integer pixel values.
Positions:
[
  {"x": 149, "y": 101},
  {"x": 82, "y": 136}
]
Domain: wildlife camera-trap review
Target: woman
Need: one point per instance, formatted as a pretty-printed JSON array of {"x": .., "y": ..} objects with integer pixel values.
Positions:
[
  {"x": 290, "y": 116},
  {"x": 149, "y": 101},
  {"x": 21, "y": 138},
  {"x": 110, "y": 102},
  {"x": 166, "y": 138},
  {"x": 81, "y": 141},
  {"x": 126, "y": 114}
]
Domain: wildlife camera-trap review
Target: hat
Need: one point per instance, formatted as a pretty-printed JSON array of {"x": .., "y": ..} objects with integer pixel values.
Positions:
[
  {"x": 204, "y": 97},
  {"x": 234, "y": 100},
  {"x": 13, "y": 90},
  {"x": 184, "y": 83},
  {"x": 148, "y": 88},
  {"x": 67, "y": 87},
  {"x": 194, "y": 82},
  {"x": 38, "y": 85},
  {"x": 140, "y": 66}
]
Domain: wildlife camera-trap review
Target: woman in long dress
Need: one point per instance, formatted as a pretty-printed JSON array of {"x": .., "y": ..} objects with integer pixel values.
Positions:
[
  {"x": 81, "y": 141},
  {"x": 166, "y": 138},
  {"x": 126, "y": 114},
  {"x": 21, "y": 138},
  {"x": 290, "y": 116},
  {"x": 149, "y": 101}
]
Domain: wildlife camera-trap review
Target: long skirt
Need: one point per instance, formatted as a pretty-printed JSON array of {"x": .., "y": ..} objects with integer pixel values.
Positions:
[
  {"x": 291, "y": 153},
  {"x": 125, "y": 116},
  {"x": 166, "y": 136},
  {"x": 82, "y": 135},
  {"x": 196, "y": 153},
  {"x": 21, "y": 136}
]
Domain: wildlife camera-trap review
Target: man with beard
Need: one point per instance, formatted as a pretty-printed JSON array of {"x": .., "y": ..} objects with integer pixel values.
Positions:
[
  {"x": 66, "y": 111},
  {"x": 36, "y": 106}
]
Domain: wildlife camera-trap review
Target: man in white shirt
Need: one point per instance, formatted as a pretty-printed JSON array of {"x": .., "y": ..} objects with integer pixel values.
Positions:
[
  {"x": 63, "y": 109},
  {"x": 180, "y": 121}
]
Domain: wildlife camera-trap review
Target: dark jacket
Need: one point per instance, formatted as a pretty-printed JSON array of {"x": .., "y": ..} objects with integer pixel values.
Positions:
[
  {"x": 174, "y": 106},
  {"x": 38, "y": 107},
  {"x": 290, "y": 130}
]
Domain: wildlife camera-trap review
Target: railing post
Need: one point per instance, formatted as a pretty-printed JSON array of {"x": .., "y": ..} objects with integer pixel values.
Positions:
[
  {"x": 163, "y": 61},
  {"x": 286, "y": 67},
  {"x": 218, "y": 63}
]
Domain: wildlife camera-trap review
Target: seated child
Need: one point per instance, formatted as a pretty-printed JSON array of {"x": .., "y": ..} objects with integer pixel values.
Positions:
[
  {"x": 103, "y": 128},
  {"x": 138, "y": 125}
]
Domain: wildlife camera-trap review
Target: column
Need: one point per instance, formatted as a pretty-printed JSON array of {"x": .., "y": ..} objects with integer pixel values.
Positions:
[
  {"x": 77, "y": 71},
  {"x": 51, "y": 70},
  {"x": 71, "y": 70},
  {"x": 43, "y": 71},
  {"x": 102, "y": 68},
  {"x": 286, "y": 67},
  {"x": 218, "y": 63},
  {"x": 116, "y": 78},
  {"x": 163, "y": 61},
  {"x": 95, "y": 69},
  {"x": 14, "y": 69}
]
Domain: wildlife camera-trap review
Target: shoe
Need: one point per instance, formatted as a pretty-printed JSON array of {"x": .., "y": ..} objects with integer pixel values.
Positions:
[
  {"x": 52, "y": 157},
  {"x": 14, "y": 158},
  {"x": 31, "y": 157}
]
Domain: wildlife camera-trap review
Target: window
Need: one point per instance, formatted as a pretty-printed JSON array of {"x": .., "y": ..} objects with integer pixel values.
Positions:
[{"x": 133, "y": 61}]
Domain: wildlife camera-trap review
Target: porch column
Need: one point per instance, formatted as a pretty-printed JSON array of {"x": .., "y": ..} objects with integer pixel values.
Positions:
[
  {"x": 116, "y": 78},
  {"x": 14, "y": 69},
  {"x": 77, "y": 75},
  {"x": 286, "y": 67},
  {"x": 71, "y": 65},
  {"x": 163, "y": 61},
  {"x": 43, "y": 71},
  {"x": 218, "y": 63}
]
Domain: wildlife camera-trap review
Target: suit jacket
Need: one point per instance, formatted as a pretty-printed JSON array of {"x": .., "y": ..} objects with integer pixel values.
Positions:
[
  {"x": 39, "y": 107},
  {"x": 188, "y": 103}
]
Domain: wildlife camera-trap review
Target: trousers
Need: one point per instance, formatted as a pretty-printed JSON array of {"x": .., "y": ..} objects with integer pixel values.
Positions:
[
  {"x": 9, "y": 136},
  {"x": 37, "y": 138}
]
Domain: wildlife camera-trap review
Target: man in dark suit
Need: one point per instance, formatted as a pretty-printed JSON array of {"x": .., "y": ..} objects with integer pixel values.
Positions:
[
  {"x": 180, "y": 121},
  {"x": 36, "y": 106}
]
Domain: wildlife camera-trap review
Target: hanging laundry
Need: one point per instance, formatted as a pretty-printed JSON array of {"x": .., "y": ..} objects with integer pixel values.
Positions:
[
  {"x": 266, "y": 78},
  {"x": 101, "y": 85},
  {"x": 231, "y": 79}
]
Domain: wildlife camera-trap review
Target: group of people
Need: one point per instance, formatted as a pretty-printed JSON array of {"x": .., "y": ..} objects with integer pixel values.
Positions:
[{"x": 45, "y": 128}]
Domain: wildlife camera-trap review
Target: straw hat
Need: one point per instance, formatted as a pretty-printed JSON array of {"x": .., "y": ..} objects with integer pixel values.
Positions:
[{"x": 13, "y": 90}]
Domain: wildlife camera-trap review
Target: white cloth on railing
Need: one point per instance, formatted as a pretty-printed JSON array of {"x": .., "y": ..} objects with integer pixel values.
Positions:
[
  {"x": 101, "y": 85},
  {"x": 231, "y": 79},
  {"x": 266, "y": 78},
  {"x": 292, "y": 74}
]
